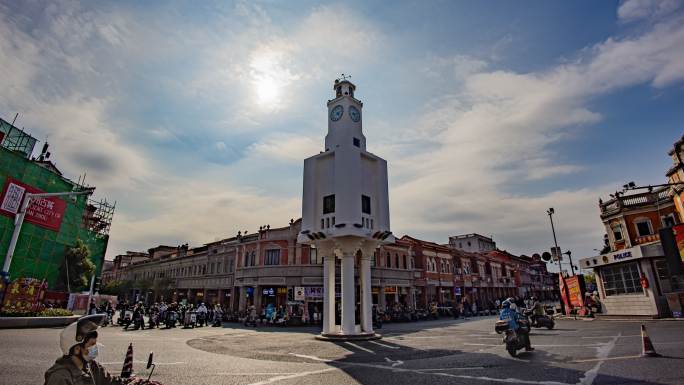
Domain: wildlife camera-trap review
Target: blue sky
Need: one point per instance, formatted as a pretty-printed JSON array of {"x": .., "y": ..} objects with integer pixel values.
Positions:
[{"x": 195, "y": 117}]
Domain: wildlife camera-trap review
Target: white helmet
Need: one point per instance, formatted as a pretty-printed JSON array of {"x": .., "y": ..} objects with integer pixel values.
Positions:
[{"x": 75, "y": 333}]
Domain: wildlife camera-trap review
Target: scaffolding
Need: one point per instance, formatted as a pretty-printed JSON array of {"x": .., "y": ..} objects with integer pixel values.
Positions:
[
  {"x": 15, "y": 139},
  {"x": 98, "y": 215}
]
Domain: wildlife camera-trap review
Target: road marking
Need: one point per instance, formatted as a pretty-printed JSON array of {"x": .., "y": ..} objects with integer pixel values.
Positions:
[
  {"x": 383, "y": 345},
  {"x": 359, "y": 347},
  {"x": 606, "y": 359},
  {"x": 444, "y": 369},
  {"x": 394, "y": 363},
  {"x": 631, "y": 335},
  {"x": 310, "y": 357},
  {"x": 142, "y": 362},
  {"x": 291, "y": 376},
  {"x": 603, "y": 352},
  {"x": 542, "y": 346},
  {"x": 254, "y": 374}
]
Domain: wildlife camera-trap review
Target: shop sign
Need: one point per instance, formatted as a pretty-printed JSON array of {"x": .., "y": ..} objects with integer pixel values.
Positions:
[
  {"x": 390, "y": 289},
  {"x": 250, "y": 291},
  {"x": 623, "y": 255},
  {"x": 313, "y": 292},
  {"x": 24, "y": 295},
  {"x": 299, "y": 294},
  {"x": 281, "y": 290},
  {"x": 44, "y": 212},
  {"x": 457, "y": 291},
  {"x": 269, "y": 292}
]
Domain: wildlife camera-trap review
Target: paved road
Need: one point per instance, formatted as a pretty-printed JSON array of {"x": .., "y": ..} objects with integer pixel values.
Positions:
[{"x": 431, "y": 352}]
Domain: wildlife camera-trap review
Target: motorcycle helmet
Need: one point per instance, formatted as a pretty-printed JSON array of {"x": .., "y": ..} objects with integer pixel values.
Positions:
[{"x": 76, "y": 332}]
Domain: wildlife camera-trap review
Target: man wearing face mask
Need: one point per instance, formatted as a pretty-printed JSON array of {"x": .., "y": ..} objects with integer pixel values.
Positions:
[{"x": 77, "y": 366}]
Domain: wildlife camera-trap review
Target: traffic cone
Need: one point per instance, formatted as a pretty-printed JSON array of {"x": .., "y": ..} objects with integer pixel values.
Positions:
[
  {"x": 127, "y": 370},
  {"x": 647, "y": 346}
]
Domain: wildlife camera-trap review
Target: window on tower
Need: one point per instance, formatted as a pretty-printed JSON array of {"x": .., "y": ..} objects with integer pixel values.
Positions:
[
  {"x": 357, "y": 142},
  {"x": 329, "y": 204},
  {"x": 365, "y": 204}
]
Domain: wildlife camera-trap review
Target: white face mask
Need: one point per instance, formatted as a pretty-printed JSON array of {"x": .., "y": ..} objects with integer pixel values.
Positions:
[{"x": 92, "y": 353}]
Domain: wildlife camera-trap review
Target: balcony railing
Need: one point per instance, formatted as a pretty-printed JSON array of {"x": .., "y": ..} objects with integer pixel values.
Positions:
[{"x": 646, "y": 239}]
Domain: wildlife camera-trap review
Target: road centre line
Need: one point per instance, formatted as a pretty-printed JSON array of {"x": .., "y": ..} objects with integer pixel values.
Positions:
[{"x": 359, "y": 347}]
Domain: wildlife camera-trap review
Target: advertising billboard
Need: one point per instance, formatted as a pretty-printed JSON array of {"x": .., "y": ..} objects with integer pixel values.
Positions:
[
  {"x": 44, "y": 212},
  {"x": 575, "y": 295}
]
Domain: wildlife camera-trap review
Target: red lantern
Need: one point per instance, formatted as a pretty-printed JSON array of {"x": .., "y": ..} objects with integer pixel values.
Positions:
[{"x": 644, "y": 281}]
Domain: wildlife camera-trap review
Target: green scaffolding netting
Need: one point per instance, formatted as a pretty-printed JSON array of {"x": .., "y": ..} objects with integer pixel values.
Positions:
[{"x": 40, "y": 251}]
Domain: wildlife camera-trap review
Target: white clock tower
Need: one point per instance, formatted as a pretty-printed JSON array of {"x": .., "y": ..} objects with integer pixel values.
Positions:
[{"x": 345, "y": 213}]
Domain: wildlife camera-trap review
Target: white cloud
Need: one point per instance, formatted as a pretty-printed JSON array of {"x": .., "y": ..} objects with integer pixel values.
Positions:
[
  {"x": 631, "y": 10},
  {"x": 284, "y": 148},
  {"x": 496, "y": 132}
]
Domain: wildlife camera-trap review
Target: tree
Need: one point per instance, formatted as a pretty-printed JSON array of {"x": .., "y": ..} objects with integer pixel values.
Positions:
[
  {"x": 77, "y": 268},
  {"x": 120, "y": 289},
  {"x": 162, "y": 287}
]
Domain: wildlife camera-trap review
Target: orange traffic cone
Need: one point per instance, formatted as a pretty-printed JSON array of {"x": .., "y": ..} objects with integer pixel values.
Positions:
[
  {"x": 647, "y": 346},
  {"x": 127, "y": 370}
]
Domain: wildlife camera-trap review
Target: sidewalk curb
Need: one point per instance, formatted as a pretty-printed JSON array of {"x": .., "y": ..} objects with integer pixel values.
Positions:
[{"x": 36, "y": 322}]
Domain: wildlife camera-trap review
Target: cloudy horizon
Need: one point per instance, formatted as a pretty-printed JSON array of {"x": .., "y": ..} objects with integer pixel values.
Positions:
[{"x": 196, "y": 118}]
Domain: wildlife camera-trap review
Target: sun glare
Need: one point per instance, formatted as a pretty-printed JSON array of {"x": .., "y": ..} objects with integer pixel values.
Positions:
[{"x": 267, "y": 90}]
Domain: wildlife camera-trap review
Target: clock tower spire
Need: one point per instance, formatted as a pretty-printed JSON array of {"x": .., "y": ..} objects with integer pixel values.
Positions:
[{"x": 344, "y": 117}]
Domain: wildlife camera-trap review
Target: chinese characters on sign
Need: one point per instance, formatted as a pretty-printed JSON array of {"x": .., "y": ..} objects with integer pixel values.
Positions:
[{"x": 44, "y": 212}]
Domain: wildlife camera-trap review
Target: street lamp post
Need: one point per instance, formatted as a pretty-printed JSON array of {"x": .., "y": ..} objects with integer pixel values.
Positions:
[{"x": 19, "y": 220}]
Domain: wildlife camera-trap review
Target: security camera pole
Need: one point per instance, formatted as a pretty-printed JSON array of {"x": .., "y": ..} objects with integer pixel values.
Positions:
[{"x": 19, "y": 220}]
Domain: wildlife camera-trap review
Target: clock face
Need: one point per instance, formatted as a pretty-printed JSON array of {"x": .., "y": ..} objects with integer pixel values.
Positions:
[
  {"x": 354, "y": 113},
  {"x": 336, "y": 113}
]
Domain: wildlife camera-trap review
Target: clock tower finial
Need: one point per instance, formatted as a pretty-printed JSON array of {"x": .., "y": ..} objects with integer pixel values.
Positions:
[{"x": 343, "y": 86}]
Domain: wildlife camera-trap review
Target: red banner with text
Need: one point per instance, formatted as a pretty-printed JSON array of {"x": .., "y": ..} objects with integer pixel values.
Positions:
[{"x": 44, "y": 212}]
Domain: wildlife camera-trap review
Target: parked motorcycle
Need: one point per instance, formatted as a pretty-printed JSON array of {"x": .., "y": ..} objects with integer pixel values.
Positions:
[
  {"x": 512, "y": 339},
  {"x": 171, "y": 318},
  {"x": 127, "y": 319},
  {"x": 190, "y": 320},
  {"x": 539, "y": 321},
  {"x": 201, "y": 319}
]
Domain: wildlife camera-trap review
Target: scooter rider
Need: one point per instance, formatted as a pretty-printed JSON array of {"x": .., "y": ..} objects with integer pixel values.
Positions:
[
  {"x": 537, "y": 309},
  {"x": 77, "y": 366},
  {"x": 512, "y": 316},
  {"x": 201, "y": 313}
]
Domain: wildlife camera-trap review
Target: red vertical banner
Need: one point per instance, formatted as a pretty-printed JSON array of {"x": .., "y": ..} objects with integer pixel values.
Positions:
[{"x": 563, "y": 293}]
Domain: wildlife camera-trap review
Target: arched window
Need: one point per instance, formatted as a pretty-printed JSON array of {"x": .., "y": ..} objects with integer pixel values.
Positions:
[
  {"x": 396, "y": 260},
  {"x": 388, "y": 260}
]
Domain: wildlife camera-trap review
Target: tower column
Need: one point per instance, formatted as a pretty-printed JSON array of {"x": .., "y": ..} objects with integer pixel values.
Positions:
[
  {"x": 348, "y": 295},
  {"x": 328, "y": 293},
  {"x": 366, "y": 295}
]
